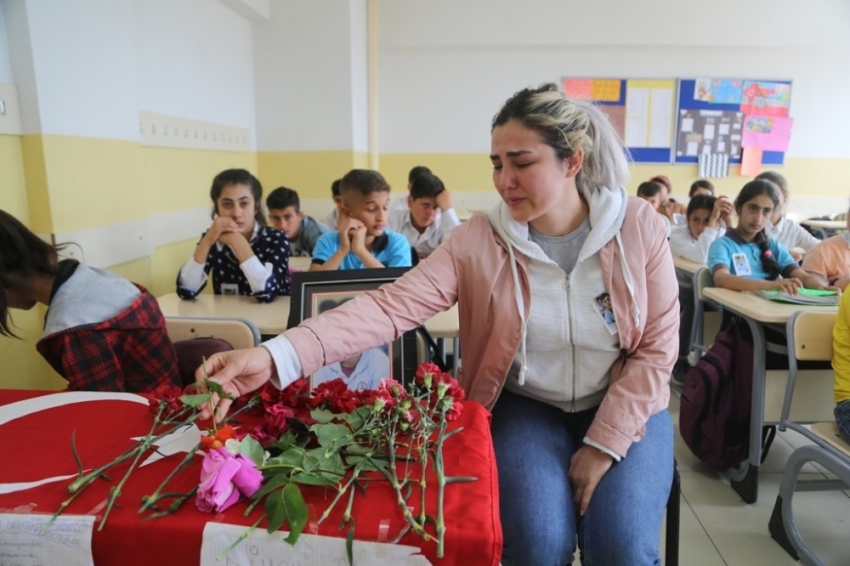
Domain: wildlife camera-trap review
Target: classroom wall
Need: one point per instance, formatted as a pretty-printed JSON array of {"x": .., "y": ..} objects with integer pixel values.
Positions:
[
  {"x": 310, "y": 62},
  {"x": 446, "y": 67},
  {"x": 85, "y": 71}
]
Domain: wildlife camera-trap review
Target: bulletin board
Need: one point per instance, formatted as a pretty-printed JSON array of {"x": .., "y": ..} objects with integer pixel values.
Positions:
[
  {"x": 724, "y": 116},
  {"x": 641, "y": 110}
]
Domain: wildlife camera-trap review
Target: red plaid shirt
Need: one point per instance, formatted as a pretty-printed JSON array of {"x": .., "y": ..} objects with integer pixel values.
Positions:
[{"x": 130, "y": 352}]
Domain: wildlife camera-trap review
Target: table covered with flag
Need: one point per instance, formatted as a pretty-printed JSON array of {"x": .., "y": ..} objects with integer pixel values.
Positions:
[{"x": 36, "y": 445}]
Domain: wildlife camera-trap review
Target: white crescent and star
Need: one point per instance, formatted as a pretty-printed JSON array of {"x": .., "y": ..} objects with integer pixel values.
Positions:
[{"x": 183, "y": 440}]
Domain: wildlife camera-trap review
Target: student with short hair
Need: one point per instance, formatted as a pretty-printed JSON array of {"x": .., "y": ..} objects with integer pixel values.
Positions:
[
  {"x": 708, "y": 218},
  {"x": 101, "y": 332},
  {"x": 783, "y": 229},
  {"x": 362, "y": 240},
  {"x": 245, "y": 256},
  {"x": 701, "y": 187},
  {"x": 332, "y": 218},
  {"x": 652, "y": 192},
  {"x": 674, "y": 211},
  {"x": 401, "y": 202},
  {"x": 830, "y": 259},
  {"x": 286, "y": 215},
  {"x": 421, "y": 223}
]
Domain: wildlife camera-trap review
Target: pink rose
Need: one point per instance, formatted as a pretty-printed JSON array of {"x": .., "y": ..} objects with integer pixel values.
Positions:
[{"x": 223, "y": 478}]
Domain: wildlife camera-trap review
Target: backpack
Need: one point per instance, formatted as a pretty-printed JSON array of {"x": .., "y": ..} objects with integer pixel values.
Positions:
[{"x": 714, "y": 419}]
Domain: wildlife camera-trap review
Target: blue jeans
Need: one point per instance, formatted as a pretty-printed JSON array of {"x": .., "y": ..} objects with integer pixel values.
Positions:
[
  {"x": 842, "y": 417},
  {"x": 534, "y": 443}
]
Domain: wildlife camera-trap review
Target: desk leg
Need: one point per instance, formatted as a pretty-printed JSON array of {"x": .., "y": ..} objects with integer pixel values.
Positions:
[
  {"x": 698, "y": 327},
  {"x": 745, "y": 480},
  {"x": 455, "y": 355}
]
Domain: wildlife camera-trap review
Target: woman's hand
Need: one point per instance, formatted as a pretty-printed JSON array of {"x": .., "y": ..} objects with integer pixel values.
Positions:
[
  {"x": 587, "y": 466},
  {"x": 238, "y": 372},
  {"x": 790, "y": 285}
]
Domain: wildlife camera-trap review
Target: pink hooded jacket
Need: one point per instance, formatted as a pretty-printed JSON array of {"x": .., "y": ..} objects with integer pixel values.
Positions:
[{"x": 473, "y": 269}]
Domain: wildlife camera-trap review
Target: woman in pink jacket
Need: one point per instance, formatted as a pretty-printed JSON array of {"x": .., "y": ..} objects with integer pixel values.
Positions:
[{"x": 568, "y": 307}]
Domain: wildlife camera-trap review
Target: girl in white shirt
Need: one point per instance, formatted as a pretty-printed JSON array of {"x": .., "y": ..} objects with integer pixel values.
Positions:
[
  {"x": 782, "y": 229},
  {"x": 708, "y": 217}
]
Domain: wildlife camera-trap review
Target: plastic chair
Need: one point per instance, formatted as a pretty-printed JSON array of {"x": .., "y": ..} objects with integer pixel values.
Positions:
[
  {"x": 809, "y": 338},
  {"x": 239, "y": 332},
  {"x": 703, "y": 279}
]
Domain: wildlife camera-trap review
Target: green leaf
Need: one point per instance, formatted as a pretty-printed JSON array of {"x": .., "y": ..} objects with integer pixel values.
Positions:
[
  {"x": 367, "y": 465},
  {"x": 215, "y": 387},
  {"x": 349, "y": 543},
  {"x": 252, "y": 450},
  {"x": 296, "y": 511},
  {"x": 329, "y": 433},
  {"x": 357, "y": 418},
  {"x": 313, "y": 479},
  {"x": 276, "y": 510},
  {"x": 195, "y": 400},
  {"x": 323, "y": 416},
  {"x": 275, "y": 482},
  {"x": 292, "y": 457}
]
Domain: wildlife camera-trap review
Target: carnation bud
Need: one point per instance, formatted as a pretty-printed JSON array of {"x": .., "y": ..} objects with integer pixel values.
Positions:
[{"x": 441, "y": 390}]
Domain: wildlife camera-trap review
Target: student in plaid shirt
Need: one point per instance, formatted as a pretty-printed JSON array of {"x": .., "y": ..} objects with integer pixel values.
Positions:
[{"x": 101, "y": 332}]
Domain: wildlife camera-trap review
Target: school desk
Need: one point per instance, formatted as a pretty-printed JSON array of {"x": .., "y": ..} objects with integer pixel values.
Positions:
[
  {"x": 826, "y": 228},
  {"x": 271, "y": 318},
  {"x": 40, "y": 440},
  {"x": 760, "y": 313}
]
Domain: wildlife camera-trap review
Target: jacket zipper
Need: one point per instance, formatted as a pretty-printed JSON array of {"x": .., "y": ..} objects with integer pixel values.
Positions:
[{"x": 572, "y": 344}]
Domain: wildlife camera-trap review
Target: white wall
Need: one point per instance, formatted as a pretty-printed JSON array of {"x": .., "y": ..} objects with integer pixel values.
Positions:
[
  {"x": 5, "y": 63},
  {"x": 21, "y": 63},
  {"x": 446, "y": 66},
  {"x": 194, "y": 59},
  {"x": 360, "y": 74},
  {"x": 303, "y": 70}
]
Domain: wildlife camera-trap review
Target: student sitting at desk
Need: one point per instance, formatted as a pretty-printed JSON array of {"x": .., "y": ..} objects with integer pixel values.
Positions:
[
  {"x": 830, "y": 259},
  {"x": 674, "y": 211},
  {"x": 401, "y": 202},
  {"x": 707, "y": 220},
  {"x": 841, "y": 365},
  {"x": 362, "y": 239},
  {"x": 245, "y": 256},
  {"x": 421, "y": 223},
  {"x": 101, "y": 332},
  {"x": 701, "y": 187},
  {"x": 332, "y": 218},
  {"x": 286, "y": 215},
  {"x": 745, "y": 259},
  {"x": 650, "y": 191},
  {"x": 783, "y": 229}
]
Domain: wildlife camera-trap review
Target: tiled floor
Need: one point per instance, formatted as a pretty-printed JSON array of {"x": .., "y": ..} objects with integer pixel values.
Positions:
[{"x": 718, "y": 528}]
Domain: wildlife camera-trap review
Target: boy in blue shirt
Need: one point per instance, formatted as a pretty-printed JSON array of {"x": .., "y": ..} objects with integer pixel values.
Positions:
[
  {"x": 286, "y": 215},
  {"x": 361, "y": 239}
]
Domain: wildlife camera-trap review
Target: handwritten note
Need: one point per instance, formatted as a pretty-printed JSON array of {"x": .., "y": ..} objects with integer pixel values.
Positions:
[
  {"x": 24, "y": 542},
  {"x": 262, "y": 548}
]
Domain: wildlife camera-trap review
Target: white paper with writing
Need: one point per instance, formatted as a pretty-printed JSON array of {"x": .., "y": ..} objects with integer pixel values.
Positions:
[
  {"x": 263, "y": 549},
  {"x": 24, "y": 542}
]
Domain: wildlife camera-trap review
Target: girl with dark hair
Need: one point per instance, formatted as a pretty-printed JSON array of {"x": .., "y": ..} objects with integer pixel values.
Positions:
[
  {"x": 745, "y": 259},
  {"x": 245, "y": 256},
  {"x": 783, "y": 229},
  {"x": 101, "y": 332}
]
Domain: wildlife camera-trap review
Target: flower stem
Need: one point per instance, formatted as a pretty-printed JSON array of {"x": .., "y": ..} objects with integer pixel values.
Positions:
[
  {"x": 149, "y": 501},
  {"x": 242, "y": 537}
]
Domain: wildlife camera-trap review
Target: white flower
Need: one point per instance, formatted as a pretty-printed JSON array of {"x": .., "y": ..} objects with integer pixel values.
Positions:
[{"x": 232, "y": 445}]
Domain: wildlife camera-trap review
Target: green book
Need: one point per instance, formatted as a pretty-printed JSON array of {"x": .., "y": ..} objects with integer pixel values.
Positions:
[{"x": 803, "y": 296}]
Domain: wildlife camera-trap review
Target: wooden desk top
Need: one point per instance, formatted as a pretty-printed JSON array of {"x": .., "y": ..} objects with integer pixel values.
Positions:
[
  {"x": 302, "y": 263},
  {"x": 687, "y": 265},
  {"x": 758, "y": 308},
  {"x": 826, "y": 224},
  {"x": 271, "y": 318}
]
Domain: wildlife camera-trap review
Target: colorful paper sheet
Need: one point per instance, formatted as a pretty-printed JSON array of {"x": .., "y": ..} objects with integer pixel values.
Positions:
[
  {"x": 606, "y": 90},
  {"x": 578, "y": 88},
  {"x": 719, "y": 91},
  {"x": 766, "y": 98},
  {"x": 770, "y": 133},
  {"x": 649, "y": 113},
  {"x": 751, "y": 161}
]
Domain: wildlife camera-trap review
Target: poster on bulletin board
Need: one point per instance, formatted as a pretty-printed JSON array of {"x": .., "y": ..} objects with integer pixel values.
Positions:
[
  {"x": 641, "y": 110},
  {"x": 727, "y": 116}
]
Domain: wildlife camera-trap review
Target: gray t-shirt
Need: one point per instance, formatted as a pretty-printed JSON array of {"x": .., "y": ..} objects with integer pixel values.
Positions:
[{"x": 563, "y": 250}]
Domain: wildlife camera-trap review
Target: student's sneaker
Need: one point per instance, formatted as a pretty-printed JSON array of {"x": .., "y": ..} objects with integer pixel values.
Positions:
[{"x": 680, "y": 370}]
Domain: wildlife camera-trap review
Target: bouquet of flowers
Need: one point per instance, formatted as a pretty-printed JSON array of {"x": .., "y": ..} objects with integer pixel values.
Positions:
[{"x": 330, "y": 437}]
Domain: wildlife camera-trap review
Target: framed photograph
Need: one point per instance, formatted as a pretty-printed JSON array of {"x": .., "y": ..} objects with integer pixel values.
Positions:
[{"x": 320, "y": 291}]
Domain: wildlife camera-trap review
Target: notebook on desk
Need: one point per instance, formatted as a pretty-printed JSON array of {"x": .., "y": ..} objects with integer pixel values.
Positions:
[{"x": 803, "y": 296}]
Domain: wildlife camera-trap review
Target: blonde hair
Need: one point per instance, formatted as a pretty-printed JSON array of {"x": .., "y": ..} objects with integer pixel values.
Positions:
[{"x": 566, "y": 126}]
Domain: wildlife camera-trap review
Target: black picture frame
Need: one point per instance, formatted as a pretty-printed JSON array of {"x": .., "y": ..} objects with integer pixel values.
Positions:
[{"x": 311, "y": 287}]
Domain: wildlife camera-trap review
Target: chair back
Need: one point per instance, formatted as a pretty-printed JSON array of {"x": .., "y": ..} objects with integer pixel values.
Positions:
[
  {"x": 704, "y": 279},
  {"x": 239, "y": 332},
  {"x": 811, "y": 335}
]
